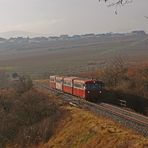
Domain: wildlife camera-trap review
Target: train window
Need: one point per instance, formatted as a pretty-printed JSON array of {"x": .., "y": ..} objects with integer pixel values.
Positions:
[
  {"x": 52, "y": 79},
  {"x": 79, "y": 85},
  {"x": 93, "y": 86},
  {"x": 59, "y": 81},
  {"x": 67, "y": 83}
]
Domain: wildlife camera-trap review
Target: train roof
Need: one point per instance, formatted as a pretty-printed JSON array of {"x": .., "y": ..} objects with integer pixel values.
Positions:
[
  {"x": 53, "y": 76},
  {"x": 60, "y": 77},
  {"x": 77, "y": 79},
  {"x": 70, "y": 78},
  {"x": 84, "y": 80}
]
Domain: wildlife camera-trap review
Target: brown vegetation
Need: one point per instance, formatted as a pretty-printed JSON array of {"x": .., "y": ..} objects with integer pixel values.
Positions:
[
  {"x": 26, "y": 119},
  {"x": 81, "y": 129},
  {"x": 3, "y": 79},
  {"x": 118, "y": 76},
  {"x": 124, "y": 82},
  {"x": 35, "y": 119},
  {"x": 23, "y": 85}
]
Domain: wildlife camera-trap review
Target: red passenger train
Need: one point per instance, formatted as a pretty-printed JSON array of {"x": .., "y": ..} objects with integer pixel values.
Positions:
[{"x": 88, "y": 89}]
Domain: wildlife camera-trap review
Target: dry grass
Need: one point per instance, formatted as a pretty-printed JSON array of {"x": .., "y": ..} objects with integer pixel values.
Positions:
[
  {"x": 81, "y": 129},
  {"x": 76, "y": 128}
]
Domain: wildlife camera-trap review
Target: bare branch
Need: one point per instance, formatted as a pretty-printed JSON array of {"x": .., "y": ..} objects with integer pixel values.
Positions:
[{"x": 117, "y": 2}]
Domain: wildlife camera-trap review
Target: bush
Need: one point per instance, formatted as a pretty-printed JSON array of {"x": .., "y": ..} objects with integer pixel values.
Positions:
[
  {"x": 3, "y": 79},
  {"x": 27, "y": 119},
  {"x": 115, "y": 73},
  {"x": 122, "y": 82},
  {"x": 118, "y": 76},
  {"x": 23, "y": 85}
]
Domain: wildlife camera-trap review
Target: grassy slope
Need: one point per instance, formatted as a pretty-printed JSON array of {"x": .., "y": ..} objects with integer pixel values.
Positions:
[{"x": 81, "y": 129}]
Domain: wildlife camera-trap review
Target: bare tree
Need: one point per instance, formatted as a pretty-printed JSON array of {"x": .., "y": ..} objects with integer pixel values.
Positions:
[
  {"x": 117, "y": 2},
  {"x": 115, "y": 71},
  {"x": 23, "y": 85}
]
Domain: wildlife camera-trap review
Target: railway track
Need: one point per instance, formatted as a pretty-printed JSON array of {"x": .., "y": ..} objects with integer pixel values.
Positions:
[
  {"x": 127, "y": 118},
  {"x": 126, "y": 112}
]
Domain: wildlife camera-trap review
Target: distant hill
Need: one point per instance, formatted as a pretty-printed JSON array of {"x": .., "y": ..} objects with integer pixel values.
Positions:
[
  {"x": 59, "y": 55},
  {"x": 10, "y": 34}
]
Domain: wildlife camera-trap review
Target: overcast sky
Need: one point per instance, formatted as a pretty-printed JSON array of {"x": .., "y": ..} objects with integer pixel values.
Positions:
[{"x": 55, "y": 17}]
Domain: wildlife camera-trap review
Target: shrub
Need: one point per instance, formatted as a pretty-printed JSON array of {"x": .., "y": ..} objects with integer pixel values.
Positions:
[
  {"x": 3, "y": 79},
  {"x": 115, "y": 72},
  {"x": 23, "y": 85},
  {"x": 26, "y": 119}
]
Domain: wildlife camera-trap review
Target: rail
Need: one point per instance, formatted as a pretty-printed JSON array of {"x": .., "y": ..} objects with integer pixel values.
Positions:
[{"x": 127, "y": 118}]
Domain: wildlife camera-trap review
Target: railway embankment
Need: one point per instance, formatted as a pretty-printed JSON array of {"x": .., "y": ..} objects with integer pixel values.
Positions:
[
  {"x": 41, "y": 119},
  {"x": 127, "y": 118},
  {"x": 82, "y": 129}
]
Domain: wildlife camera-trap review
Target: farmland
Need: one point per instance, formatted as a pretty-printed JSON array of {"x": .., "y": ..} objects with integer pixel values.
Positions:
[{"x": 38, "y": 59}]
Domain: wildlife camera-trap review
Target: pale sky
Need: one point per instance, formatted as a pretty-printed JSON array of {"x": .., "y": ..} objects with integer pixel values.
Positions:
[{"x": 55, "y": 17}]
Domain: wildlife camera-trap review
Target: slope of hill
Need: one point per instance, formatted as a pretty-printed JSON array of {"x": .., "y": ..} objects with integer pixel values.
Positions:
[
  {"x": 36, "y": 119},
  {"x": 81, "y": 129},
  {"x": 70, "y": 56}
]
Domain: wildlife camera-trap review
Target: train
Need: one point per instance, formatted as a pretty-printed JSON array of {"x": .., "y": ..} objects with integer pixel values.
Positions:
[{"x": 88, "y": 89}]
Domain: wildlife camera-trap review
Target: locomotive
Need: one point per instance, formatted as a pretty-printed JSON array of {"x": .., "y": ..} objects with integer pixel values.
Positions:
[{"x": 88, "y": 89}]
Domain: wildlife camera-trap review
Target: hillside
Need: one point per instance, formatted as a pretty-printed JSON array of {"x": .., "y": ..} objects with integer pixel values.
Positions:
[
  {"x": 39, "y": 56},
  {"x": 26, "y": 119},
  {"x": 36, "y": 119},
  {"x": 81, "y": 129}
]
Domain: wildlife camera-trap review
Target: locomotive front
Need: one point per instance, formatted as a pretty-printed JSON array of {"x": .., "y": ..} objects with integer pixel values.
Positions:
[
  {"x": 93, "y": 89},
  {"x": 88, "y": 89}
]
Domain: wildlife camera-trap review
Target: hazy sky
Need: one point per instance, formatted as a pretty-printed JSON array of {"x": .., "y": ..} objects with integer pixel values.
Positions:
[{"x": 56, "y": 17}]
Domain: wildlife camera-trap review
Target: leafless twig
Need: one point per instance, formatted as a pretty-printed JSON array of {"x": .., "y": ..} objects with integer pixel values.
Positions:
[{"x": 117, "y": 2}]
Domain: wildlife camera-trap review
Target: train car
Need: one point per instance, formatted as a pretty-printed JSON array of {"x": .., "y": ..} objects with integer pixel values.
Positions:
[
  {"x": 87, "y": 88},
  {"x": 59, "y": 82},
  {"x": 52, "y": 82},
  {"x": 68, "y": 84}
]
